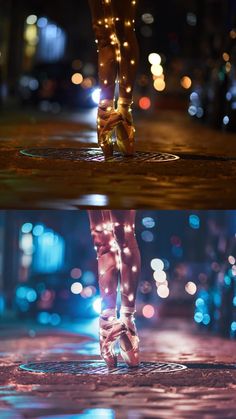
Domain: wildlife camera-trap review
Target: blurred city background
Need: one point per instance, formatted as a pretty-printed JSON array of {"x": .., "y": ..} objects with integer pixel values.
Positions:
[
  {"x": 48, "y": 58},
  {"x": 48, "y": 268}
]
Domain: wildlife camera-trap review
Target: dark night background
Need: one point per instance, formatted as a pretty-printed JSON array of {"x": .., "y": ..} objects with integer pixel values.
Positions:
[
  {"x": 195, "y": 39},
  {"x": 48, "y": 270}
]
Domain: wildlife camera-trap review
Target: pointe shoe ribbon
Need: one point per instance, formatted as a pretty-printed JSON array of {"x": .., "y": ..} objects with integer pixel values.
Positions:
[
  {"x": 108, "y": 119},
  {"x": 125, "y": 130},
  {"x": 130, "y": 339},
  {"x": 110, "y": 332}
]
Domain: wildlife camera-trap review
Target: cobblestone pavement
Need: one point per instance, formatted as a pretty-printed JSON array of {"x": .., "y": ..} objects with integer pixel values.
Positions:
[
  {"x": 206, "y": 389},
  {"x": 203, "y": 177}
]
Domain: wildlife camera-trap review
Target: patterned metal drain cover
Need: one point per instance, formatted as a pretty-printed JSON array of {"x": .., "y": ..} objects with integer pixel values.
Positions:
[
  {"x": 99, "y": 368},
  {"x": 96, "y": 155}
]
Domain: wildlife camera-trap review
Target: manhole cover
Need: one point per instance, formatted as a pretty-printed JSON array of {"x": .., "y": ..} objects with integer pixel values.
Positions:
[
  {"x": 96, "y": 155},
  {"x": 98, "y": 367}
]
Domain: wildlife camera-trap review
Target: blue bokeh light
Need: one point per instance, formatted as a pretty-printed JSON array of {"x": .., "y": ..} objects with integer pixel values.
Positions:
[
  {"x": 26, "y": 228},
  {"x": 148, "y": 222},
  {"x": 194, "y": 221}
]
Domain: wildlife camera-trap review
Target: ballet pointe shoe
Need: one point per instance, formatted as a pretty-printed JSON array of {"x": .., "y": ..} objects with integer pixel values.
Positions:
[
  {"x": 107, "y": 120},
  {"x": 129, "y": 341},
  {"x": 125, "y": 130},
  {"x": 110, "y": 330}
]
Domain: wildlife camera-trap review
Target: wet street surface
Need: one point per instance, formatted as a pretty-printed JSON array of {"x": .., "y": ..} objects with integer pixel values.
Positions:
[
  {"x": 203, "y": 177},
  {"x": 206, "y": 389}
]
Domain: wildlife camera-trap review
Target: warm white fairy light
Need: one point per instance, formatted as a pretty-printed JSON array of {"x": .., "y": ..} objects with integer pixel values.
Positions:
[
  {"x": 126, "y": 251},
  {"x": 127, "y": 228},
  {"x": 127, "y": 23}
]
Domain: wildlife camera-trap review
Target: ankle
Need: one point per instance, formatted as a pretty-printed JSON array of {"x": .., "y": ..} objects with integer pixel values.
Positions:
[
  {"x": 108, "y": 314},
  {"x": 106, "y": 104},
  {"x": 124, "y": 103},
  {"x": 127, "y": 313}
]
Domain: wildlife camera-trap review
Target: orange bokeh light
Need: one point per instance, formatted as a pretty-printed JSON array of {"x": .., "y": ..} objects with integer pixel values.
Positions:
[{"x": 144, "y": 103}]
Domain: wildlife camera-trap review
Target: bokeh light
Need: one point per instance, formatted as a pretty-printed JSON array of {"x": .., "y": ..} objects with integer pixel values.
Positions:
[
  {"x": 148, "y": 222},
  {"x": 186, "y": 82},
  {"x": 26, "y": 227},
  {"x": 157, "y": 264},
  {"x": 77, "y": 78},
  {"x": 144, "y": 103},
  {"x": 97, "y": 305},
  {"x": 157, "y": 70},
  {"x": 194, "y": 221},
  {"x": 31, "y": 19},
  {"x": 148, "y": 311},
  {"x": 159, "y": 84},
  {"x": 163, "y": 291},
  {"x": 154, "y": 58},
  {"x": 75, "y": 273},
  {"x": 159, "y": 276},
  {"x": 76, "y": 288},
  {"x": 191, "y": 288}
]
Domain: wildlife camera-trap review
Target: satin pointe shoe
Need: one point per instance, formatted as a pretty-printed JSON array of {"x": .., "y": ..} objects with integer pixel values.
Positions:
[
  {"x": 129, "y": 341},
  {"x": 110, "y": 330},
  {"x": 125, "y": 130},
  {"x": 107, "y": 119}
]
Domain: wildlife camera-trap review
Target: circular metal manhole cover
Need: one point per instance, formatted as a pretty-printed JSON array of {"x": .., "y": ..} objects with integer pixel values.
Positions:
[
  {"x": 96, "y": 155},
  {"x": 98, "y": 367}
]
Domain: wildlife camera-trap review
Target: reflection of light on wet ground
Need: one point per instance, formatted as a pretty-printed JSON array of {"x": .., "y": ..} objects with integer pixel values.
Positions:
[
  {"x": 94, "y": 200},
  {"x": 87, "y": 136},
  {"x": 87, "y": 327},
  {"x": 86, "y": 414},
  {"x": 87, "y": 116},
  {"x": 84, "y": 348}
]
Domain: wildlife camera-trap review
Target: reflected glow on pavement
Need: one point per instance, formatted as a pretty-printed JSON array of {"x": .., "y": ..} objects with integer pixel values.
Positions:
[
  {"x": 87, "y": 116},
  {"x": 87, "y": 414},
  {"x": 94, "y": 200}
]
